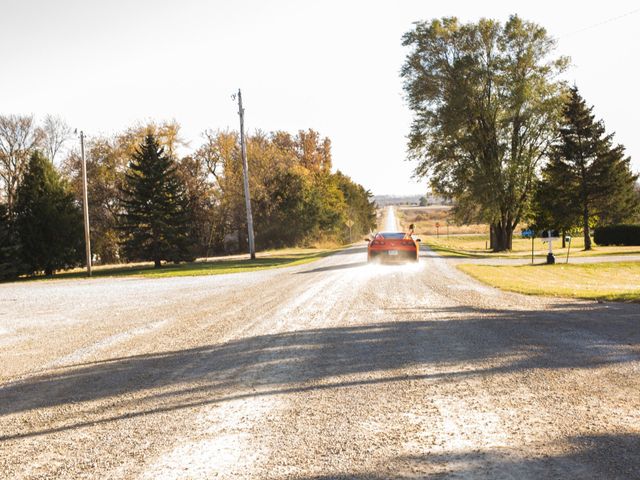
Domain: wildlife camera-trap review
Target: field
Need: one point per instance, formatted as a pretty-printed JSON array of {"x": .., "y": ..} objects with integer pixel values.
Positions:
[
  {"x": 425, "y": 219},
  {"x": 598, "y": 281}
]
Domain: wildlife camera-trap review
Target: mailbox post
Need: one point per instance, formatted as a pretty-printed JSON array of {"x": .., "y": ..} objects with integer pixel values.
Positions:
[
  {"x": 533, "y": 237},
  {"x": 568, "y": 239},
  {"x": 551, "y": 259}
]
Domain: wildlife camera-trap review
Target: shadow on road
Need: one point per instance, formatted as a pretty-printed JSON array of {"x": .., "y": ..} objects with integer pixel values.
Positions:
[
  {"x": 351, "y": 250},
  {"x": 435, "y": 342},
  {"x": 590, "y": 457},
  {"x": 342, "y": 266}
]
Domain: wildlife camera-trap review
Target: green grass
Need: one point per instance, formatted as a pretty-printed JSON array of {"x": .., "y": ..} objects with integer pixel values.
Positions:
[
  {"x": 475, "y": 246},
  {"x": 272, "y": 259},
  {"x": 449, "y": 251},
  {"x": 619, "y": 281}
]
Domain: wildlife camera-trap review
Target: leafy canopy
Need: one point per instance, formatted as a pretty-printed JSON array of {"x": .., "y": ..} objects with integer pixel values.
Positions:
[{"x": 486, "y": 100}]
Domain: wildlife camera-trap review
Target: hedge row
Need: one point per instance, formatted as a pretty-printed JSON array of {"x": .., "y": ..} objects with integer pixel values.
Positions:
[{"x": 617, "y": 235}]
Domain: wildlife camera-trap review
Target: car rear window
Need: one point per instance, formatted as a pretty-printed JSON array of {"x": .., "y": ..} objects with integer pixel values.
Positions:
[{"x": 392, "y": 236}]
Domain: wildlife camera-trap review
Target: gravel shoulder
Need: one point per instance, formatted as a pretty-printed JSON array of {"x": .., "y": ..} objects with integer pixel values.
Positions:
[{"x": 335, "y": 369}]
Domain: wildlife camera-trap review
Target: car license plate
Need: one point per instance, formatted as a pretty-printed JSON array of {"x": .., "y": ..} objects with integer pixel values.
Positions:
[{"x": 393, "y": 252}]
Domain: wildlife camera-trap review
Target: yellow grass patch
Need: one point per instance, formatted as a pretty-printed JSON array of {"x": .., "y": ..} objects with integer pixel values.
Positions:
[
  {"x": 425, "y": 219},
  {"x": 605, "y": 281}
]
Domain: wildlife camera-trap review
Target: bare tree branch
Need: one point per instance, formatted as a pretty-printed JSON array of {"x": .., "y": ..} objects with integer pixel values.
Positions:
[
  {"x": 55, "y": 133},
  {"x": 19, "y": 136}
]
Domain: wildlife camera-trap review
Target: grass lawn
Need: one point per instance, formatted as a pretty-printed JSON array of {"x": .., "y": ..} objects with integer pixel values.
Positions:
[
  {"x": 270, "y": 259},
  {"x": 476, "y": 246},
  {"x": 599, "y": 281}
]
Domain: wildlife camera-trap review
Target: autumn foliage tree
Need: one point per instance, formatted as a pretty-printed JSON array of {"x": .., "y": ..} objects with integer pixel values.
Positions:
[
  {"x": 296, "y": 198},
  {"x": 150, "y": 201}
]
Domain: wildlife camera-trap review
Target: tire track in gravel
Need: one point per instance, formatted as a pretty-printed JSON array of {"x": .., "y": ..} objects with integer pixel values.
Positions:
[
  {"x": 185, "y": 327},
  {"x": 223, "y": 439}
]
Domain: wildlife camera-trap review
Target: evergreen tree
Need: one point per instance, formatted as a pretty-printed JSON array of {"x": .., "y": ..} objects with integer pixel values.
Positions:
[
  {"x": 588, "y": 179},
  {"x": 48, "y": 220},
  {"x": 155, "y": 208},
  {"x": 554, "y": 206},
  {"x": 10, "y": 264}
]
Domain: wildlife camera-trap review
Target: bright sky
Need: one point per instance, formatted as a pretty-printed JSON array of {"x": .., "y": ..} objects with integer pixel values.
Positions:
[{"x": 329, "y": 65}]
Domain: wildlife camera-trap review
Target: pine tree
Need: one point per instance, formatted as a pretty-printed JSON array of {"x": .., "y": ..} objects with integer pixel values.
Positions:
[
  {"x": 10, "y": 261},
  {"x": 48, "y": 220},
  {"x": 553, "y": 205},
  {"x": 155, "y": 208},
  {"x": 587, "y": 177}
]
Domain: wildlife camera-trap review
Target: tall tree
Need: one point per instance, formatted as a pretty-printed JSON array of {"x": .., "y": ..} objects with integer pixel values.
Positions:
[
  {"x": 588, "y": 177},
  {"x": 55, "y": 133},
  {"x": 360, "y": 208},
  {"x": 486, "y": 100},
  {"x": 200, "y": 195},
  {"x": 48, "y": 219},
  {"x": 155, "y": 207},
  {"x": 166, "y": 133},
  {"x": 10, "y": 254},
  {"x": 295, "y": 197},
  {"x": 553, "y": 207},
  {"x": 106, "y": 167},
  {"x": 19, "y": 137},
  {"x": 294, "y": 212}
]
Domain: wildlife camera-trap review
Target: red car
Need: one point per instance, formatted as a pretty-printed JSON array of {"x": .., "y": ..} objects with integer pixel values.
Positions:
[{"x": 393, "y": 246}]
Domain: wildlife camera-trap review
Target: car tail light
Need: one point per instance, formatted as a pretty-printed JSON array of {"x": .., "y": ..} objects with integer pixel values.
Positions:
[
  {"x": 377, "y": 242},
  {"x": 407, "y": 242}
]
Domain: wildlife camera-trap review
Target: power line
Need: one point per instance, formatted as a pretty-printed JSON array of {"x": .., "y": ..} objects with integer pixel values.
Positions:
[{"x": 613, "y": 19}]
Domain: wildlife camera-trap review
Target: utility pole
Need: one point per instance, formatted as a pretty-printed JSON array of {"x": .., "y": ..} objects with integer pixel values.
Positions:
[
  {"x": 85, "y": 205},
  {"x": 245, "y": 170}
]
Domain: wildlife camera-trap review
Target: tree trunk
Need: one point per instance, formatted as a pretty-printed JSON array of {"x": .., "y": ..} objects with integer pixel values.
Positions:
[
  {"x": 564, "y": 239},
  {"x": 502, "y": 236},
  {"x": 585, "y": 226},
  {"x": 48, "y": 272},
  {"x": 157, "y": 263},
  {"x": 492, "y": 236}
]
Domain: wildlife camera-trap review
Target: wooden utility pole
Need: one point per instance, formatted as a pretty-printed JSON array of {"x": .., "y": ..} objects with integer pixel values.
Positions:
[
  {"x": 245, "y": 170},
  {"x": 85, "y": 205}
]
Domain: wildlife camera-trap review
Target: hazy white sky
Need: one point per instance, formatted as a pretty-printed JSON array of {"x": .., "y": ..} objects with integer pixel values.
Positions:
[{"x": 329, "y": 65}]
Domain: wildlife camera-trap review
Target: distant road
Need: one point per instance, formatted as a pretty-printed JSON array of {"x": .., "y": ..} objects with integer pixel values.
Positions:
[
  {"x": 391, "y": 223},
  {"x": 335, "y": 369}
]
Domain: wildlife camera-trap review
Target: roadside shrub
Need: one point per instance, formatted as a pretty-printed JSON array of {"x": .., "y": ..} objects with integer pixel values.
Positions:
[{"x": 617, "y": 235}]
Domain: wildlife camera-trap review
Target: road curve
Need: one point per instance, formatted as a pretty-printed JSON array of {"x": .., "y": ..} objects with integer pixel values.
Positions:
[{"x": 335, "y": 369}]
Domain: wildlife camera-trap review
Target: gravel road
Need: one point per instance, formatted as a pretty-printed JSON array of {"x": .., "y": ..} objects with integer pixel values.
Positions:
[{"x": 335, "y": 369}]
